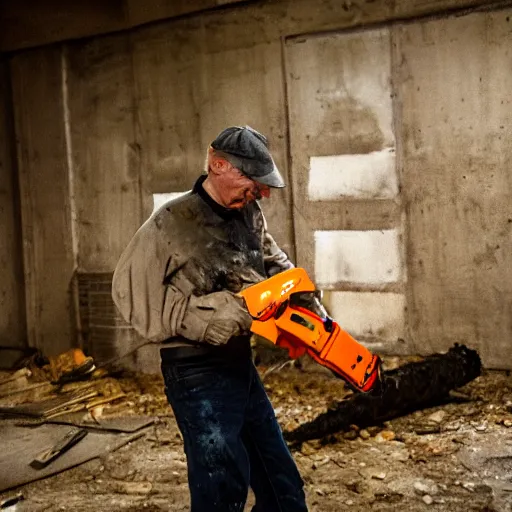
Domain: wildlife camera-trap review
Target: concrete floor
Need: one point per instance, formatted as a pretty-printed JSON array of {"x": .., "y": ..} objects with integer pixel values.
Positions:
[{"x": 463, "y": 464}]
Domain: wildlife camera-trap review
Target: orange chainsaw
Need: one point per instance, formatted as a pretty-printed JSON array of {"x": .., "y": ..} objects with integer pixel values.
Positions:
[{"x": 286, "y": 310}]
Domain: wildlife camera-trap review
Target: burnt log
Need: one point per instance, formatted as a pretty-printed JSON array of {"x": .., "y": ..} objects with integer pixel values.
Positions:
[{"x": 403, "y": 390}]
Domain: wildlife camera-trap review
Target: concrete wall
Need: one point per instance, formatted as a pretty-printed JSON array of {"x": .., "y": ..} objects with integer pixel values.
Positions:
[
  {"x": 356, "y": 119},
  {"x": 45, "y": 198},
  {"x": 456, "y": 122},
  {"x": 12, "y": 293}
]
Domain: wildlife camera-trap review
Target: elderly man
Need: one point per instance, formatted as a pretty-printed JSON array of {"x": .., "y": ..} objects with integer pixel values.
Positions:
[{"x": 176, "y": 284}]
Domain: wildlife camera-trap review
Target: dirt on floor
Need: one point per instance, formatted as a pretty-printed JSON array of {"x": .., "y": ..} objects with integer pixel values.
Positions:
[{"x": 453, "y": 457}]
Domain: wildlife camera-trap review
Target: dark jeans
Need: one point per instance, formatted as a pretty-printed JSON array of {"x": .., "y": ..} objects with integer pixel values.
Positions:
[{"x": 231, "y": 435}]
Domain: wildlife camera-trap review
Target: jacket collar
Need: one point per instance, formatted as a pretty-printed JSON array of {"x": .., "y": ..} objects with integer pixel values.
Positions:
[{"x": 224, "y": 213}]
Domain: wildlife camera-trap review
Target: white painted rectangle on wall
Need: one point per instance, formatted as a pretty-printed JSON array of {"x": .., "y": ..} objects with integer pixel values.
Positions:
[
  {"x": 365, "y": 257},
  {"x": 377, "y": 315},
  {"x": 363, "y": 176}
]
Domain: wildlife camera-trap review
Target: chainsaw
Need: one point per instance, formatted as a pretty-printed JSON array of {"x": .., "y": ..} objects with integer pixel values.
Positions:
[{"x": 287, "y": 310}]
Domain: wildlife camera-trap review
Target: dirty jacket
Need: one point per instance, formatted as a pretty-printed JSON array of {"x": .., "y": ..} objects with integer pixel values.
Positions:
[{"x": 189, "y": 248}]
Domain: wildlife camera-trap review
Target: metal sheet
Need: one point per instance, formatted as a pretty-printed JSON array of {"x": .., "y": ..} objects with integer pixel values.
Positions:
[
  {"x": 455, "y": 84},
  {"x": 20, "y": 445},
  {"x": 127, "y": 424}
]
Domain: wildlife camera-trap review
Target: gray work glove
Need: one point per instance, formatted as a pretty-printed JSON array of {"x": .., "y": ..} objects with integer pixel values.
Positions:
[{"x": 229, "y": 319}]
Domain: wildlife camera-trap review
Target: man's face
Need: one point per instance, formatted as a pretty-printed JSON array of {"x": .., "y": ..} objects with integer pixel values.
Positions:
[{"x": 239, "y": 190}]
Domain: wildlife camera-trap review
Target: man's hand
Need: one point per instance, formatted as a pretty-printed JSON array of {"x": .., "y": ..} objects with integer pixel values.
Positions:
[{"x": 230, "y": 318}]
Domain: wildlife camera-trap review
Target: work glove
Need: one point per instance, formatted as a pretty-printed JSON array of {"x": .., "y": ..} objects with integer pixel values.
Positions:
[{"x": 229, "y": 319}]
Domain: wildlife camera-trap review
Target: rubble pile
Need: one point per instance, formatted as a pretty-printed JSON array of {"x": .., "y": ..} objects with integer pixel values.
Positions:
[
  {"x": 451, "y": 457},
  {"x": 54, "y": 388}
]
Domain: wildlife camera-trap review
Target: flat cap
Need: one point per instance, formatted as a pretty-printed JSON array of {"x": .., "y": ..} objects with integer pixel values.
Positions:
[{"x": 251, "y": 154}]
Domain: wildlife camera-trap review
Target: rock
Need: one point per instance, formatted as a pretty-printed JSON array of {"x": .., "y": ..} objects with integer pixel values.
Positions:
[
  {"x": 469, "y": 486},
  {"x": 483, "y": 489},
  {"x": 424, "y": 487},
  {"x": 453, "y": 426},
  {"x": 374, "y": 430},
  {"x": 507, "y": 423},
  {"x": 307, "y": 449},
  {"x": 356, "y": 486},
  {"x": 349, "y": 503},
  {"x": 379, "y": 476},
  {"x": 401, "y": 456},
  {"x": 320, "y": 463},
  {"x": 133, "y": 487},
  {"x": 437, "y": 417},
  {"x": 364, "y": 434},
  {"x": 428, "y": 500},
  {"x": 385, "y": 435}
]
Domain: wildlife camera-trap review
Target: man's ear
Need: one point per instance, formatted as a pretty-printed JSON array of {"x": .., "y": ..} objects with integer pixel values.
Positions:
[{"x": 217, "y": 164}]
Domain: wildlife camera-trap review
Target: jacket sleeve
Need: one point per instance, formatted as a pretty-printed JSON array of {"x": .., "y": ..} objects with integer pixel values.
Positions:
[
  {"x": 157, "y": 311},
  {"x": 275, "y": 259}
]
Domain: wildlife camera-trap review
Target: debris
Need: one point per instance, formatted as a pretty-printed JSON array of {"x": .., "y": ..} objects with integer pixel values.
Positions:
[
  {"x": 437, "y": 417},
  {"x": 70, "y": 366},
  {"x": 24, "y": 372},
  {"x": 423, "y": 487},
  {"x": 428, "y": 500},
  {"x": 69, "y": 439},
  {"x": 385, "y": 435},
  {"x": 410, "y": 387},
  {"x": 427, "y": 429},
  {"x": 21, "y": 445},
  {"x": 379, "y": 476},
  {"x": 128, "y": 424},
  {"x": 30, "y": 387},
  {"x": 12, "y": 500},
  {"x": 364, "y": 434},
  {"x": 124, "y": 487},
  {"x": 104, "y": 400},
  {"x": 307, "y": 449}
]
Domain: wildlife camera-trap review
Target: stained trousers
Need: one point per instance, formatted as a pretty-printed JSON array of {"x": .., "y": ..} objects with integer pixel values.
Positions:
[{"x": 231, "y": 436}]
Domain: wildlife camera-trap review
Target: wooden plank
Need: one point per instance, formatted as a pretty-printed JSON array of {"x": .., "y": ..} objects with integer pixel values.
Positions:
[
  {"x": 12, "y": 293},
  {"x": 339, "y": 104},
  {"x": 105, "y": 155},
  {"x": 455, "y": 84},
  {"x": 185, "y": 96},
  {"x": 45, "y": 205}
]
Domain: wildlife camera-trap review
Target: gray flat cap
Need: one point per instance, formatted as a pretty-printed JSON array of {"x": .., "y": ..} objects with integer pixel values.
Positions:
[{"x": 252, "y": 156}]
